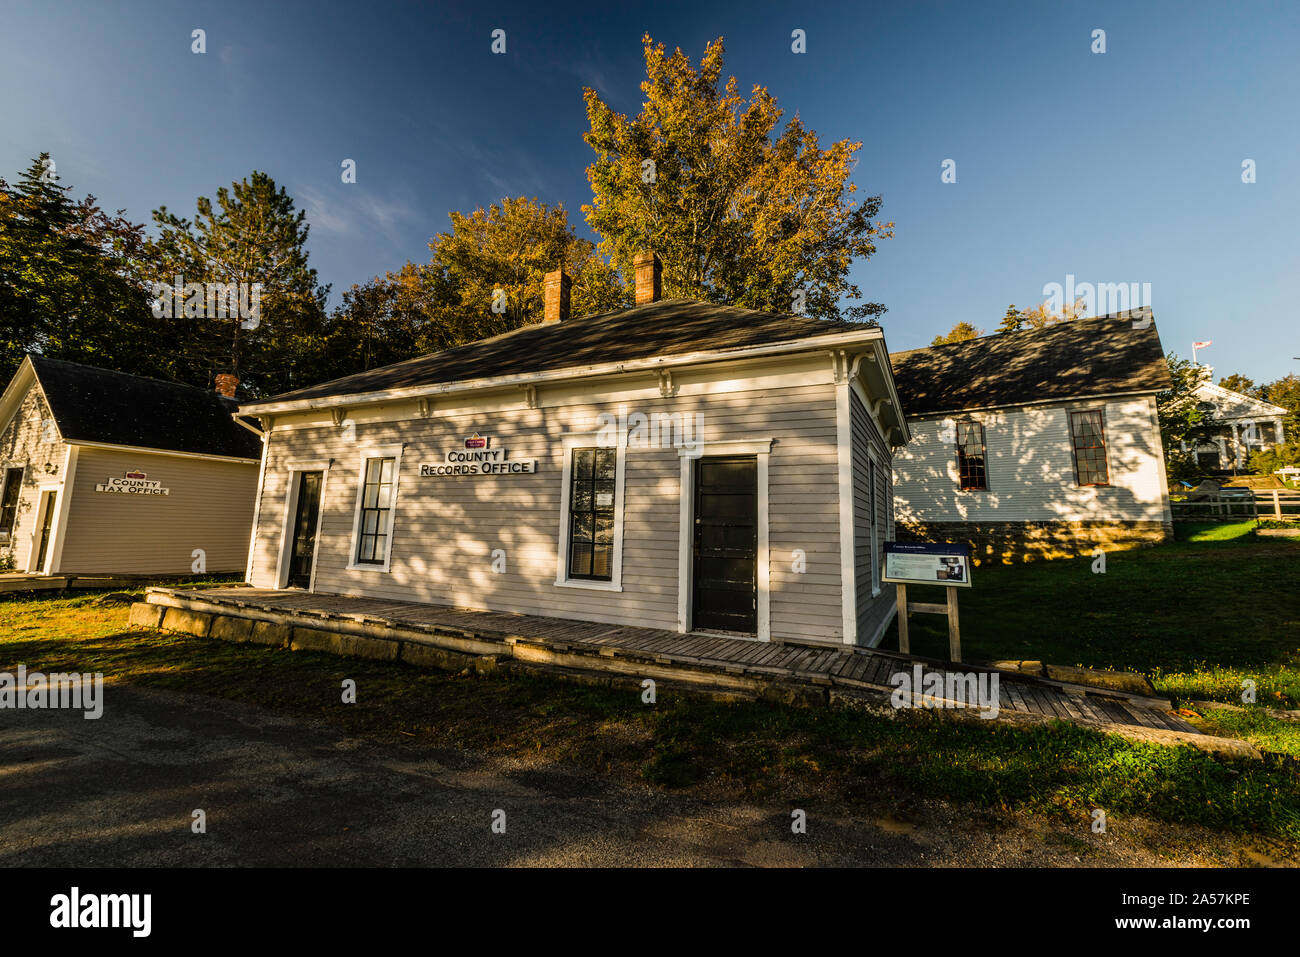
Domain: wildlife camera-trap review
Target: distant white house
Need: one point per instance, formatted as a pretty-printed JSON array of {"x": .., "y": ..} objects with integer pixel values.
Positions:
[
  {"x": 1239, "y": 424},
  {"x": 1035, "y": 443}
]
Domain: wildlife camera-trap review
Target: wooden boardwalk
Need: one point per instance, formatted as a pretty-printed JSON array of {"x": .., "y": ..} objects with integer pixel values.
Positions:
[{"x": 704, "y": 658}]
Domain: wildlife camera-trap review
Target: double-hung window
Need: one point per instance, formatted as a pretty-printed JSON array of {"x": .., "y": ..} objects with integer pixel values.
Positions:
[
  {"x": 1089, "y": 439},
  {"x": 971, "y": 472},
  {"x": 592, "y": 494},
  {"x": 10, "y": 488},
  {"x": 375, "y": 518},
  {"x": 589, "y": 552}
]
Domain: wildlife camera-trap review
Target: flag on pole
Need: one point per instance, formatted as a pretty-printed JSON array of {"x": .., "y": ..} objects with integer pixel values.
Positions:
[{"x": 1201, "y": 345}]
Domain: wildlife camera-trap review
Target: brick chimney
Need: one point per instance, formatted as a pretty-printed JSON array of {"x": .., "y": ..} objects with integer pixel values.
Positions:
[
  {"x": 556, "y": 296},
  {"x": 226, "y": 384},
  {"x": 648, "y": 271}
]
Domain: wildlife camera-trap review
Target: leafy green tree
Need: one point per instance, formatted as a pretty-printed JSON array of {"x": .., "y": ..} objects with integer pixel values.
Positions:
[
  {"x": 504, "y": 253},
  {"x": 379, "y": 322},
  {"x": 737, "y": 211},
  {"x": 253, "y": 234},
  {"x": 958, "y": 333},
  {"x": 1013, "y": 320},
  {"x": 1268, "y": 461},
  {"x": 1239, "y": 383},
  {"x": 499, "y": 255},
  {"x": 1180, "y": 419},
  {"x": 1042, "y": 315},
  {"x": 1286, "y": 393},
  {"x": 70, "y": 278}
]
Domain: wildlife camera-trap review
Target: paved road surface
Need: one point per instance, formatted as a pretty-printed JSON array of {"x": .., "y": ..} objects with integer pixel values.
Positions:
[{"x": 121, "y": 790}]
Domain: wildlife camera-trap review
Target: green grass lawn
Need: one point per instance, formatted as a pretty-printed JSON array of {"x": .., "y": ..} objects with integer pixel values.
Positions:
[
  {"x": 752, "y": 750},
  {"x": 1200, "y": 617}
]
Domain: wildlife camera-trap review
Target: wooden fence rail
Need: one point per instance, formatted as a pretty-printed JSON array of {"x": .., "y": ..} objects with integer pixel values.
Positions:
[{"x": 1238, "y": 505}]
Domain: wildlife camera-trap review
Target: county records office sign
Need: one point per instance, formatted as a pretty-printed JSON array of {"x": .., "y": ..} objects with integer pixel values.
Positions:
[
  {"x": 133, "y": 483},
  {"x": 912, "y": 563},
  {"x": 477, "y": 457}
]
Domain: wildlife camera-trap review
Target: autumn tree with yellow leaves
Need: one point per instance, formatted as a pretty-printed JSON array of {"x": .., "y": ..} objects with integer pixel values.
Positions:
[{"x": 738, "y": 211}]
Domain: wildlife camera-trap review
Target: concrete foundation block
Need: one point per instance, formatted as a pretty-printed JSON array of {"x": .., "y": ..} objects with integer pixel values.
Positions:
[
  {"x": 195, "y": 623},
  {"x": 145, "y": 615},
  {"x": 315, "y": 639},
  {"x": 357, "y": 646},
  {"x": 427, "y": 656},
  {"x": 798, "y": 695},
  {"x": 229, "y": 628},
  {"x": 270, "y": 633}
]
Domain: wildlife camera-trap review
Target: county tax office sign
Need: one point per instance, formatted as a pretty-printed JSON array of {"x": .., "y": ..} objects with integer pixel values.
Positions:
[
  {"x": 477, "y": 457},
  {"x": 133, "y": 483}
]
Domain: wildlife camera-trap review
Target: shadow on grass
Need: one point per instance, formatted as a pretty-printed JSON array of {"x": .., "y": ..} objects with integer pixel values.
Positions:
[{"x": 749, "y": 749}]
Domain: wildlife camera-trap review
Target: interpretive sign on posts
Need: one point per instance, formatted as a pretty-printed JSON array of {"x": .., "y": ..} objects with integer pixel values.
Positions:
[
  {"x": 917, "y": 563},
  {"x": 914, "y": 563}
]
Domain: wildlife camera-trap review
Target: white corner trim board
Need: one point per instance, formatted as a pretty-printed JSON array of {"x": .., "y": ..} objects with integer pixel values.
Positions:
[
  {"x": 257, "y": 511},
  {"x": 59, "y": 530},
  {"x": 875, "y": 524},
  {"x": 848, "y": 577}
]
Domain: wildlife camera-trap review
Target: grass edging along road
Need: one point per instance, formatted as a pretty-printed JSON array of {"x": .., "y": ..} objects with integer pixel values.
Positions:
[{"x": 750, "y": 749}]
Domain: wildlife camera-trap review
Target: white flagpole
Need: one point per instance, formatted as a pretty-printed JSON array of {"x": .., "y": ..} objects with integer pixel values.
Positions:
[{"x": 1194, "y": 362}]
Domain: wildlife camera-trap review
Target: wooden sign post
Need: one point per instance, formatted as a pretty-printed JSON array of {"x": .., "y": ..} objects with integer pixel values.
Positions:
[
  {"x": 950, "y": 609},
  {"x": 918, "y": 564}
]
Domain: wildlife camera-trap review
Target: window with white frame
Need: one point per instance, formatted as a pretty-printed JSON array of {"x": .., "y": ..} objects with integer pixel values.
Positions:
[
  {"x": 1088, "y": 436},
  {"x": 372, "y": 535},
  {"x": 971, "y": 453},
  {"x": 591, "y": 520},
  {"x": 591, "y": 513}
]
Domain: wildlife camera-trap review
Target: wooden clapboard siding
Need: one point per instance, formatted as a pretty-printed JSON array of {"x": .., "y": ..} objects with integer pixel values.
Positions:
[
  {"x": 23, "y": 445},
  {"x": 446, "y": 529},
  {"x": 1030, "y": 466},
  {"x": 209, "y": 507},
  {"x": 872, "y": 608}
]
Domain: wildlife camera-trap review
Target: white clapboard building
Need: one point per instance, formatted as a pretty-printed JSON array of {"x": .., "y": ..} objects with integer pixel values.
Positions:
[
  {"x": 678, "y": 465},
  {"x": 1234, "y": 425},
  {"x": 1036, "y": 443}
]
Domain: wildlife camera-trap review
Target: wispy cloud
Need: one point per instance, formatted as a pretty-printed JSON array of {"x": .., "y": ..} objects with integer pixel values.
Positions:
[{"x": 352, "y": 211}]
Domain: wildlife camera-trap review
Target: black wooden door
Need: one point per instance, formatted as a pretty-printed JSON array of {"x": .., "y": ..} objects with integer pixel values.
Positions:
[
  {"x": 47, "y": 522},
  {"x": 726, "y": 544},
  {"x": 304, "y": 529}
]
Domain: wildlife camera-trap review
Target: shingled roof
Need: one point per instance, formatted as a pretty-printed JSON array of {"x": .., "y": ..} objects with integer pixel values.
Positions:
[
  {"x": 1083, "y": 358},
  {"x": 665, "y": 328},
  {"x": 96, "y": 405}
]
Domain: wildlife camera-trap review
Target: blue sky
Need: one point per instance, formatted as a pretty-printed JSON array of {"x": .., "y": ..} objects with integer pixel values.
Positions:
[{"x": 1117, "y": 167}]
